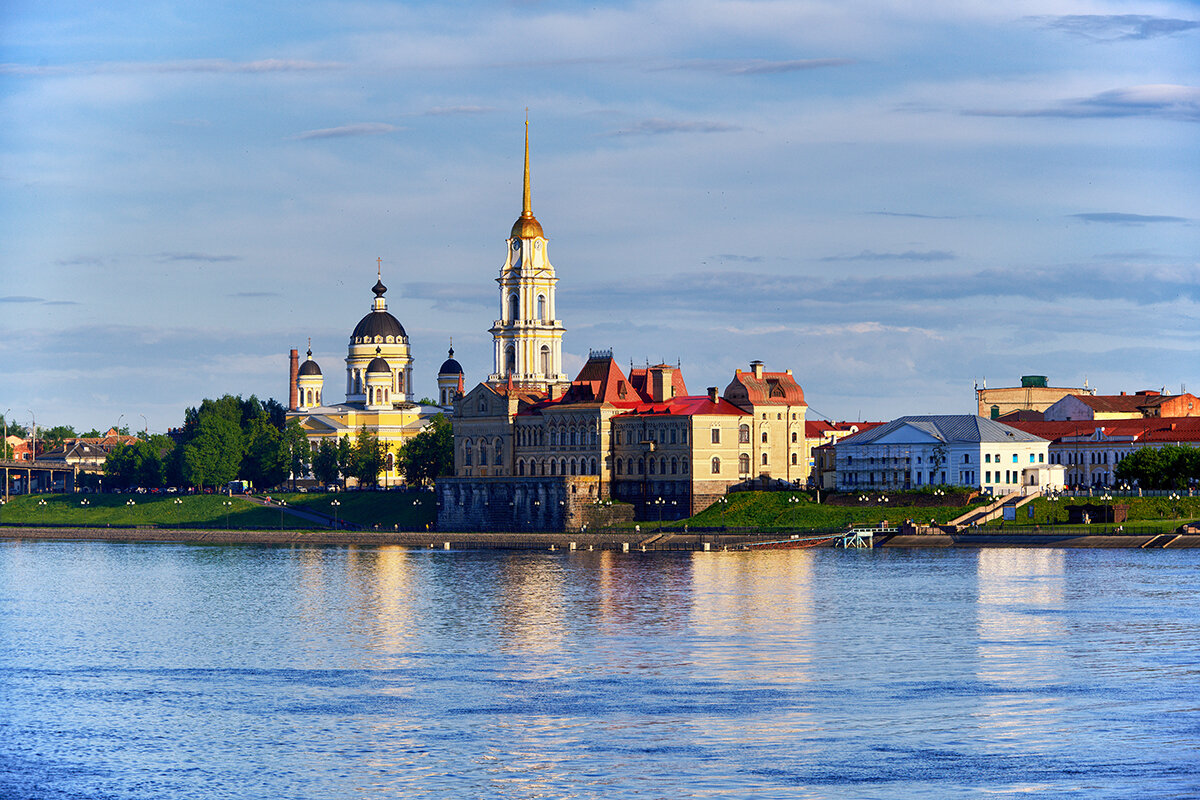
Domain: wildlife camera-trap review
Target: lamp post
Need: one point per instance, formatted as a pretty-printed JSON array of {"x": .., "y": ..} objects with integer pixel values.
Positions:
[
  {"x": 282, "y": 503},
  {"x": 227, "y": 504},
  {"x": 660, "y": 503},
  {"x": 334, "y": 505},
  {"x": 145, "y": 426},
  {"x": 178, "y": 502}
]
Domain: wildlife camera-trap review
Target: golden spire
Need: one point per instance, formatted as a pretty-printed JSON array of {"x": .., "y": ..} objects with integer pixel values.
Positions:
[{"x": 527, "y": 227}]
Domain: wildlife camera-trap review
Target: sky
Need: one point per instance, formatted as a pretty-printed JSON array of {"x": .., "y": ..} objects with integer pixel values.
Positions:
[{"x": 894, "y": 200}]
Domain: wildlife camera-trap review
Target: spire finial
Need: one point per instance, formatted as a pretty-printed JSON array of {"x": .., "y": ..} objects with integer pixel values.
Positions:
[
  {"x": 452, "y": 347},
  {"x": 310, "y": 347},
  {"x": 379, "y": 268},
  {"x": 527, "y": 207}
]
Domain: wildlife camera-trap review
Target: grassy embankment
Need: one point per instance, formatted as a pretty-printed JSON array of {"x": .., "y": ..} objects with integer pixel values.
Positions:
[
  {"x": 191, "y": 511},
  {"x": 769, "y": 510},
  {"x": 405, "y": 511},
  {"x": 1146, "y": 514}
]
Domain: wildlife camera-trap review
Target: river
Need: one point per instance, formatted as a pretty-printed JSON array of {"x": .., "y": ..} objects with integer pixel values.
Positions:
[{"x": 132, "y": 671}]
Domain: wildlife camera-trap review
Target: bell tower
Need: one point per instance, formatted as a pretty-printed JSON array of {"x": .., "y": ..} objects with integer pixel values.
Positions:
[{"x": 528, "y": 336}]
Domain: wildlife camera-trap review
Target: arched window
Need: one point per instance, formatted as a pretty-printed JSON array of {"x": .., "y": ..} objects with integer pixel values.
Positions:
[
  {"x": 545, "y": 360},
  {"x": 744, "y": 434},
  {"x": 629, "y": 466},
  {"x": 499, "y": 453},
  {"x": 514, "y": 306},
  {"x": 674, "y": 466},
  {"x": 553, "y": 467},
  {"x": 521, "y": 468},
  {"x": 595, "y": 467},
  {"x": 541, "y": 307},
  {"x": 716, "y": 466},
  {"x": 573, "y": 467},
  {"x": 793, "y": 437},
  {"x": 641, "y": 466},
  {"x": 310, "y": 397},
  {"x": 510, "y": 359},
  {"x": 793, "y": 458},
  {"x": 652, "y": 465},
  {"x": 318, "y": 397},
  {"x": 662, "y": 466},
  {"x": 468, "y": 453},
  {"x": 562, "y": 466},
  {"x": 483, "y": 454},
  {"x": 744, "y": 463},
  {"x": 764, "y": 437},
  {"x": 685, "y": 466},
  {"x": 764, "y": 459},
  {"x": 619, "y": 467}
]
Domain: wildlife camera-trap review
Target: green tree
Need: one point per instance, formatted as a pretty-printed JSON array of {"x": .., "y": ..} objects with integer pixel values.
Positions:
[
  {"x": 266, "y": 460},
  {"x": 429, "y": 454},
  {"x": 53, "y": 438},
  {"x": 138, "y": 464},
  {"x": 214, "y": 454},
  {"x": 325, "y": 463},
  {"x": 1145, "y": 466},
  {"x": 367, "y": 461},
  {"x": 345, "y": 458},
  {"x": 299, "y": 451}
]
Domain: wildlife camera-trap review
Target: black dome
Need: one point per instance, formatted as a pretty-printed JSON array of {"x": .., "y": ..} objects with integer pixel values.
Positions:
[
  {"x": 378, "y": 323},
  {"x": 309, "y": 368},
  {"x": 379, "y": 365},
  {"x": 450, "y": 366}
]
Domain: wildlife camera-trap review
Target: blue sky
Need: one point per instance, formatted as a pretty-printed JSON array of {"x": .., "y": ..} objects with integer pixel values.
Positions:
[{"x": 891, "y": 199}]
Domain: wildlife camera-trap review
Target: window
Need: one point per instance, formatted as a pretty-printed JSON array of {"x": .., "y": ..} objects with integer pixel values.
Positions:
[
  {"x": 619, "y": 466},
  {"x": 1014, "y": 458},
  {"x": 1041, "y": 458},
  {"x": 545, "y": 362},
  {"x": 541, "y": 307},
  {"x": 1031, "y": 458},
  {"x": 674, "y": 466},
  {"x": 764, "y": 437},
  {"x": 744, "y": 464},
  {"x": 513, "y": 307},
  {"x": 674, "y": 434},
  {"x": 987, "y": 458},
  {"x": 652, "y": 466},
  {"x": 716, "y": 462},
  {"x": 716, "y": 438},
  {"x": 744, "y": 434},
  {"x": 510, "y": 359},
  {"x": 685, "y": 466},
  {"x": 764, "y": 459},
  {"x": 468, "y": 453},
  {"x": 793, "y": 437},
  {"x": 793, "y": 459},
  {"x": 966, "y": 458}
]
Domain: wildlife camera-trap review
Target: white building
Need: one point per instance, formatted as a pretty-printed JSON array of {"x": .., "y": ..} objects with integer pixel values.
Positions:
[{"x": 953, "y": 450}]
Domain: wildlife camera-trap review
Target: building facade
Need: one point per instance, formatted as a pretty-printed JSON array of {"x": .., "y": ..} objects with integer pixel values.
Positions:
[
  {"x": 1145, "y": 404},
  {"x": 945, "y": 450},
  {"x": 1034, "y": 394}
]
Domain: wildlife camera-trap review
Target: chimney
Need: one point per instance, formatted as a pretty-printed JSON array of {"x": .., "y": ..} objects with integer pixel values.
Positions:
[
  {"x": 757, "y": 368},
  {"x": 660, "y": 385},
  {"x": 293, "y": 373},
  {"x": 712, "y": 395}
]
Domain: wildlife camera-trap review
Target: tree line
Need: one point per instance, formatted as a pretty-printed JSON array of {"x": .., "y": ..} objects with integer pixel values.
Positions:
[
  {"x": 232, "y": 438},
  {"x": 1168, "y": 467}
]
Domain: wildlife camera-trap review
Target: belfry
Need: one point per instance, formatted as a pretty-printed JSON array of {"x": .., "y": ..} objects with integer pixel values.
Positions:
[{"x": 528, "y": 336}]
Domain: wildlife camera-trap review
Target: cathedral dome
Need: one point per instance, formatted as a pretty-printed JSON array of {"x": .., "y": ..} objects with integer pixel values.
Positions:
[
  {"x": 450, "y": 366},
  {"x": 378, "y": 364},
  {"x": 378, "y": 323},
  {"x": 309, "y": 368}
]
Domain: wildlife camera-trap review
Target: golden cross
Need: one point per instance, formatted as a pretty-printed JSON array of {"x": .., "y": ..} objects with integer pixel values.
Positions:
[{"x": 379, "y": 268}]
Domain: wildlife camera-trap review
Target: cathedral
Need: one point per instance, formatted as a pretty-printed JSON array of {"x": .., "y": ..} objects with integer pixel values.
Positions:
[{"x": 379, "y": 388}]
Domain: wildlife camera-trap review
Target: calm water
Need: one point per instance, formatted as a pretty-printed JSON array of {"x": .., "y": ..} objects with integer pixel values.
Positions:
[{"x": 172, "y": 671}]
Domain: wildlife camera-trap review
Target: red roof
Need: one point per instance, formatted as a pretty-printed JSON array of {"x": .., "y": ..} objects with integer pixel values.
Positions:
[
  {"x": 817, "y": 428},
  {"x": 773, "y": 388},
  {"x": 639, "y": 376},
  {"x": 1142, "y": 429},
  {"x": 687, "y": 407}
]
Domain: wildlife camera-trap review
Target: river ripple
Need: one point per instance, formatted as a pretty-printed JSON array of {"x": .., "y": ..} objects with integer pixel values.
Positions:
[{"x": 132, "y": 671}]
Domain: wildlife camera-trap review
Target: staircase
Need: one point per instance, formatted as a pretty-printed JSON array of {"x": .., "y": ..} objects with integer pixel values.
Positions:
[{"x": 980, "y": 516}]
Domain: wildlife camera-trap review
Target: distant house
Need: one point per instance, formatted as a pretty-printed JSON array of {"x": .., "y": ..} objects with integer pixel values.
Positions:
[
  {"x": 1034, "y": 394},
  {"x": 88, "y": 452},
  {"x": 21, "y": 449},
  {"x": 955, "y": 450},
  {"x": 1143, "y": 404},
  {"x": 822, "y": 435}
]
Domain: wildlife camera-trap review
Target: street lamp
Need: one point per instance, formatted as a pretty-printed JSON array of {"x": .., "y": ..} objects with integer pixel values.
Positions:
[
  {"x": 334, "y": 505},
  {"x": 145, "y": 425},
  {"x": 660, "y": 503},
  {"x": 227, "y": 504},
  {"x": 282, "y": 503}
]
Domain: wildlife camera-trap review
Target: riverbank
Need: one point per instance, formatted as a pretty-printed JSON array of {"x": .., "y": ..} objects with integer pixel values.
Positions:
[{"x": 633, "y": 542}]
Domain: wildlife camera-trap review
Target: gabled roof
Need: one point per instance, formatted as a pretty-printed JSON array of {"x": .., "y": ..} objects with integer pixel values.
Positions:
[
  {"x": 819, "y": 428},
  {"x": 1118, "y": 403},
  {"x": 948, "y": 428},
  {"x": 600, "y": 381},
  {"x": 639, "y": 376}
]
